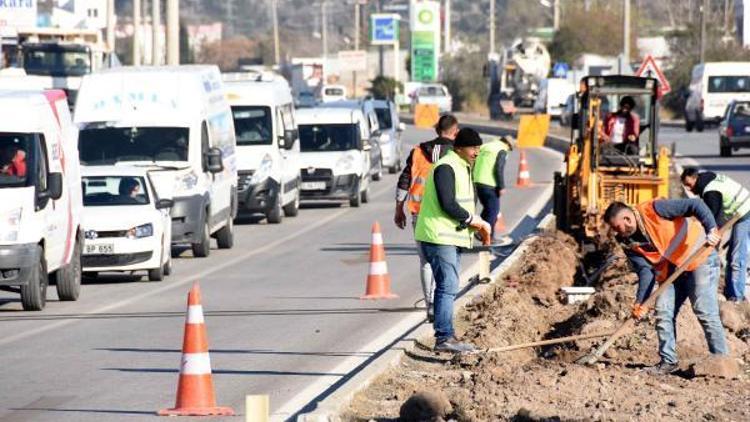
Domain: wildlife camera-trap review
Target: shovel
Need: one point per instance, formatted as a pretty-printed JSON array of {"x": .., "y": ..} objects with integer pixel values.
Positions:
[{"x": 626, "y": 326}]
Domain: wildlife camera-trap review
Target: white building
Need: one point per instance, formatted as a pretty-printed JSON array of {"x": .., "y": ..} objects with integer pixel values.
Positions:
[{"x": 84, "y": 14}]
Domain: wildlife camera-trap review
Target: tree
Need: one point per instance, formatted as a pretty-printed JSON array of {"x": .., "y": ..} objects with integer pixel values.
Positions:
[
  {"x": 383, "y": 87},
  {"x": 226, "y": 53}
]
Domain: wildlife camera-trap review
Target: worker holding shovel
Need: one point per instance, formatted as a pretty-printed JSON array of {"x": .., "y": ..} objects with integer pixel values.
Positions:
[{"x": 658, "y": 236}]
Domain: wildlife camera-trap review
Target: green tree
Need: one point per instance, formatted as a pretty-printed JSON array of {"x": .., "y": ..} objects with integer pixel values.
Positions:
[{"x": 383, "y": 87}]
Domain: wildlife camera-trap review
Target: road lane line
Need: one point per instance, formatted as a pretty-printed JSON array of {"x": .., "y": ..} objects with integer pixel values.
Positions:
[{"x": 187, "y": 279}]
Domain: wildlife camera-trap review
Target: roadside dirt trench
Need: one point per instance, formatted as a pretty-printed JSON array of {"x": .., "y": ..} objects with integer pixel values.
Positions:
[{"x": 543, "y": 384}]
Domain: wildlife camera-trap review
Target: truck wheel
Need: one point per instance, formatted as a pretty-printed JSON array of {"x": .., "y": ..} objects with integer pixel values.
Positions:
[
  {"x": 225, "y": 235},
  {"x": 725, "y": 151},
  {"x": 34, "y": 294},
  {"x": 203, "y": 248},
  {"x": 292, "y": 209},
  {"x": 275, "y": 214},
  {"x": 156, "y": 274},
  {"x": 68, "y": 279},
  {"x": 356, "y": 199}
]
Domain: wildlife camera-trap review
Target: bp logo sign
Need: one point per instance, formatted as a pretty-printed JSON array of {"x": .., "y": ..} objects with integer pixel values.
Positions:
[{"x": 425, "y": 17}]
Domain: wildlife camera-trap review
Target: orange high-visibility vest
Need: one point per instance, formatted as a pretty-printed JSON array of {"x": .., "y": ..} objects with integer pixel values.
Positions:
[
  {"x": 674, "y": 240},
  {"x": 420, "y": 169}
]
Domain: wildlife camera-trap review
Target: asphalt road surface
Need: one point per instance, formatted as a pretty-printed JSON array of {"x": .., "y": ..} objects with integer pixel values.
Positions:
[{"x": 283, "y": 314}]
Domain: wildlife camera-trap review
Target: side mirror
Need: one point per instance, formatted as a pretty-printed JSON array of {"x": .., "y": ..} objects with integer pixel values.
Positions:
[
  {"x": 215, "y": 163},
  {"x": 164, "y": 204},
  {"x": 574, "y": 123},
  {"x": 401, "y": 127},
  {"x": 54, "y": 187},
  {"x": 290, "y": 136}
]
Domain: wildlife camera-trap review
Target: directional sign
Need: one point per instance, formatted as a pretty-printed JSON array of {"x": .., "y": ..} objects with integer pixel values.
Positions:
[
  {"x": 384, "y": 28},
  {"x": 560, "y": 70},
  {"x": 650, "y": 69}
]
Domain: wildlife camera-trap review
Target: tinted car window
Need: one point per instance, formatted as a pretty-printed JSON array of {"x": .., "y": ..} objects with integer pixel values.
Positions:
[
  {"x": 384, "y": 118},
  {"x": 727, "y": 84},
  {"x": 110, "y": 145},
  {"x": 328, "y": 137},
  {"x": 252, "y": 125}
]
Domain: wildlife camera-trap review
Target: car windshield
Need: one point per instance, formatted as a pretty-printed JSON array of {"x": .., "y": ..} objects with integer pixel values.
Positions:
[
  {"x": 741, "y": 111},
  {"x": 431, "y": 91},
  {"x": 333, "y": 137},
  {"x": 101, "y": 191},
  {"x": 384, "y": 118},
  {"x": 48, "y": 62},
  {"x": 728, "y": 84},
  {"x": 100, "y": 146},
  {"x": 252, "y": 125},
  {"x": 14, "y": 154}
]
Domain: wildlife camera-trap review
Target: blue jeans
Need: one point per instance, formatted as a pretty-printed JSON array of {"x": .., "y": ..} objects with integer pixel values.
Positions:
[
  {"x": 700, "y": 286},
  {"x": 446, "y": 267},
  {"x": 736, "y": 271},
  {"x": 490, "y": 201}
]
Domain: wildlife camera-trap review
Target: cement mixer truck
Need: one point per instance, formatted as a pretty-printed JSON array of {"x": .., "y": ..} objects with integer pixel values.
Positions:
[{"x": 518, "y": 72}]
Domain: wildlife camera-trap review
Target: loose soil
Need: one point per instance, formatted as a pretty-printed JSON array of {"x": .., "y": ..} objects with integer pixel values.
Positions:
[{"x": 544, "y": 384}]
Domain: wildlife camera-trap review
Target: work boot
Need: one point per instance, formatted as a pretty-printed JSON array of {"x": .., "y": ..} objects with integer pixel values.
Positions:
[
  {"x": 662, "y": 368},
  {"x": 452, "y": 345}
]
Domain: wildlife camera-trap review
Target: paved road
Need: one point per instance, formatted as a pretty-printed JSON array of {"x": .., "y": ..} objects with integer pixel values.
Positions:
[
  {"x": 283, "y": 317},
  {"x": 703, "y": 149}
]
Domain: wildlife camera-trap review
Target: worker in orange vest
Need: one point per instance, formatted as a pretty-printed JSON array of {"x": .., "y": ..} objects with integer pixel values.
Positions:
[
  {"x": 658, "y": 236},
  {"x": 410, "y": 189}
]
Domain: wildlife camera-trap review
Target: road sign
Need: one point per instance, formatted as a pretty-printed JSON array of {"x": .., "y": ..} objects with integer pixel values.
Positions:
[
  {"x": 352, "y": 61},
  {"x": 649, "y": 68},
  {"x": 384, "y": 28},
  {"x": 560, "y": 70},
  {"x": 425, "y": 40}
]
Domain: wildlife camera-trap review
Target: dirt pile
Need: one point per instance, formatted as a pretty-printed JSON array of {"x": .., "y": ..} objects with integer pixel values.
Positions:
[{"x": 543, "y": 384}]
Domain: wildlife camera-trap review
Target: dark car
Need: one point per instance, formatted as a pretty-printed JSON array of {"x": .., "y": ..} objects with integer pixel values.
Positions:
[{"x": 734, "y": 129}]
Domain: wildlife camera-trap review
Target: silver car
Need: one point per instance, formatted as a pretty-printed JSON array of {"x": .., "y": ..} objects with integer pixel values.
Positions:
[{"x": 391, "y": 128}]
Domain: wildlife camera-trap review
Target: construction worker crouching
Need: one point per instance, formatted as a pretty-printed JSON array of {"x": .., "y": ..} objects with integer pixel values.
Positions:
[
  {"x": 658, "y": 236},
  {"x": 410, "y": 190},
  {"x": 445, "y": 225},
  {"x": 490, "y": 181},
  {"x": 725, "y": 198}
]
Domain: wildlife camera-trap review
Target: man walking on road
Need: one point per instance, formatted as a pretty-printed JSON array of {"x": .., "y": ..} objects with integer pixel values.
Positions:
[
  {"x": 410, "y": 190},
  {"x": 725, "y": 198},
  {"x": 490, "y": 182},
  {"x": 658, "y": 236},
  {"x": 445, "y": 224}
]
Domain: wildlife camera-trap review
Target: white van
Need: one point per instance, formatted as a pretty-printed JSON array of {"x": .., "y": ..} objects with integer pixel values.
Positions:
[
  {"x": 553, "y": 93},
  {"x": 713, "y": 86},
  {"x": 335, "y": 158},
  {"x": 40, "y": 197},
  {"x": 267, "y": 147},
  {"x": 175, "y": 121}
]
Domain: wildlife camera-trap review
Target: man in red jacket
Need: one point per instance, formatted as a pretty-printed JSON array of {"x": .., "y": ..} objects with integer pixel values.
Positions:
[{"x": 622, "y": 128}]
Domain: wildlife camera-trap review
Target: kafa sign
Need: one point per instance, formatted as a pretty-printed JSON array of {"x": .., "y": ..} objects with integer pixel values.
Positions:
[{"x": 17, "y": 14}]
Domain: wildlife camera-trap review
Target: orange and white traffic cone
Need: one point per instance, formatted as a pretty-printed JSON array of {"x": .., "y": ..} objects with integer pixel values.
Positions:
[
  {"x": 500, "y": 223},
  {"x": 524, "y": 178},
  {"x": 195, "y": 389},
  {"x": 378, "y": 279}
]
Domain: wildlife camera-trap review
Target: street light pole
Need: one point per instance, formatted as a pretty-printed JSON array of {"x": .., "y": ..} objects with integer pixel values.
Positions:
[
  {"x": 556, "y": 15},
  {"x": 136, "y": 32},
  {"x": 702, "y": 10},
  {"x": 626, "y": 33},
  {"x": 275, "y": 18},
  {"x": 447, "y": 46},
  {"x": 324, "y": 29},
  {"x": 155, "y": 32},
  {"x": 356, "y": 44},
  {"x": 111, "y": 25},
  {"x": 173, "y": 32},
  {"x": 492, "y": 26}
]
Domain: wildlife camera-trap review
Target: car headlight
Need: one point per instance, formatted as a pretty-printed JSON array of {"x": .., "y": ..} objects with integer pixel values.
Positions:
[
  {"x": 185, "y": 183},
  {"x": 345, "y": 164},
  {"x": 144, "y": 230},
  {"x": 264, "y": 170},
  {"x": 10, "y": 221}
]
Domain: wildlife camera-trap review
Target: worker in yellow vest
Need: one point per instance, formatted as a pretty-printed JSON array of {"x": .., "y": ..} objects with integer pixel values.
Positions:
[
  {"x": 445, "y": 225},
  {"x": 725, "y": 198},
  {"x": 410, "y": 190},
  {"x": 490, "y": 182}
]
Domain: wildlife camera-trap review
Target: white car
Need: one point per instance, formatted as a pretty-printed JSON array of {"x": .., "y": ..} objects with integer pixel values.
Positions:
[
  {"x": 127, "y": 227},
  {"x": 436, "y": 94}
]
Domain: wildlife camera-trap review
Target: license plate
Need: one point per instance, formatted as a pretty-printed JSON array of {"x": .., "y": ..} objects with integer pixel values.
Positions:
[
  {"x": 105, "y": 248},
  {"x": 313, "y": 185}
]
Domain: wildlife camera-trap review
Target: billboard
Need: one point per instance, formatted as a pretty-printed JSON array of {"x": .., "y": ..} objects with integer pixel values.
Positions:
[
  {"x": 424, "y": 22},
  {"x": 17, "y": 14}
]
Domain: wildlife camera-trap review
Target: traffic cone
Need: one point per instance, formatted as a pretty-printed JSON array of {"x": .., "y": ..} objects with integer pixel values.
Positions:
[
  {"x": 378, "y": 279},
  {"x": 500, "y": 223},
  {"x": 524, "y": 179},
  {"x": 195, "y": 389}
]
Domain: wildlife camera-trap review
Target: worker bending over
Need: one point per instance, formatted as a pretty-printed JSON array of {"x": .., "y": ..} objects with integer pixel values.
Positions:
[
  {"x": 658, "y": 236},
  {"x": 446, "y": 221},
  {"x": 725, "y": 198},
  {"x": 490, "y": 182},
  {"x": 410, "y": 190}
]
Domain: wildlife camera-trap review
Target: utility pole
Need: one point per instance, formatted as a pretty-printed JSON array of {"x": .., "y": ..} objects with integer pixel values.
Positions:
[
  {"x": 447, "y": 46},
  {"x": 324, "y": 29},
  {"x": 703, "y": 9},
  {"x": 111, "y": 25},
  {"x": 556, "y": 15},
  {"x": 155, "y": 32},
  {"x": 136, "y": 32},
  {"x": 492, "y": 26},
  {"x": 381, "y": 65},
  {"x": 356, "y": 44},
  {"x": 275, "y": 18},
  {"x": 173, "y": 32},
  {"x": 626, "y": 33},
  {"x": 726, "y": 18}
]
